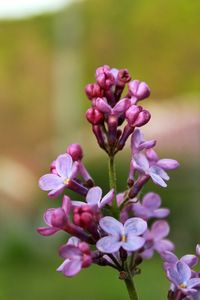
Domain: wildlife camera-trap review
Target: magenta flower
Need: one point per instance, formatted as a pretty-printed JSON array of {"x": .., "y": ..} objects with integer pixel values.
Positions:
[
  {"x": 77, "y": 255},
  {"x": 65, "y": 171},
  {"x": 126, "y": 236},
  {"x": 56, "y": 218},
  {"x": 155, "y": 240},
  {"x": 94, "y": 198},
  {"x": 120, "y": 107},
  {"x": 180, "y": 275},
  {"x": 149, "y": 207}
]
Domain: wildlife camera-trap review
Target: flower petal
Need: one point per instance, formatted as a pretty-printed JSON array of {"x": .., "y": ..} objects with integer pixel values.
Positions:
[
  {"x": 66, "y": 204},
  {"x": 157, "y": 179},
  {"x": 184, "y": 271},
  {"x": 193, "y": 282},
  {"x": 48, "y": 216},
  {"x": 141, "y": 161},
  {"x": 50, "y": 182},
  {"x": 108, "y": 244},
  {"x": 133, "y": 242},
  {"x": 46, "y": 231},
  {"x": 163, "y": 245},
  {"x": 94, "y": 195},
  {"x": 55, "y": 193},
  {"x": 70, "y": 251},
  {"x": 71, "y": 268},
  {"x": 160, "y": 229},
  {"x": 190, "y": 260},
  {"x": 64, "y": 164},
  {"x": 102, "y": 105},
  {"x": 168, "y": 164},
  {"x": 161, "y": 213},
  {"x": 112, "y": 226},
  {"x": 151, "y": 201},
  {"x": 136, "y": 139},
  {"x": 158, "y": 171},
  {"x": 147, "y": 253},
  {"x": 169, "y": 257},
  {"x": 121, "y": 106},
  {"x": 135, "y": 226},
  {"x": 107, "y": 199}
]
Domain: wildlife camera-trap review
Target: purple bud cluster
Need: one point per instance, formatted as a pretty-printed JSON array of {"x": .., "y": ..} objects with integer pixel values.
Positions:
[{"x": 116, "y": 229}]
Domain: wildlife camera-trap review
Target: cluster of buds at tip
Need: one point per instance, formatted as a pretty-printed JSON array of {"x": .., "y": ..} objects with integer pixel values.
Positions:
[{"x": 109, "y": 111}]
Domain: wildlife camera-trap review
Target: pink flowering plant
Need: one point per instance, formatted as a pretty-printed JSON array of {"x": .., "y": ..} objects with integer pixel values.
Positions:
[{"x": 118, "y": 229}]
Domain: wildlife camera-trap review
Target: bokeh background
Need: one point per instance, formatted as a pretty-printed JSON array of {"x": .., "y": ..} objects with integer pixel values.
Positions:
[{"x": 46, "y": 59}]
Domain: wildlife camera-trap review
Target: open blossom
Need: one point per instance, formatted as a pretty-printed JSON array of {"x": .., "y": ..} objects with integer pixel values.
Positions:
[
  {"x": 94, "y": 198},
  {"x": 155, "y": 239},
  {"x": 77, "y": 255},
  {"x": 171, "y": 259},
  {"x": 180, "y": 275},
  {"x": 66, "y": 170},
  {"x": 149, "y": 207},
  {"x": 126, "y": 236},
  {"x": 138, "y": 143}
]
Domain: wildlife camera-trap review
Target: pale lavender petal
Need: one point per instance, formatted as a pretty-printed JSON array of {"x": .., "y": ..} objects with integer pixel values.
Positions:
[
  {"x": 77, "y": 203},
  {"x": 74, "y": 170},
  {"x": 161, "y": 213},
  {"x": 174, "y": 276},
  {"x": 120, "y": 199},
  {"x": 136, "y": 139},
  {"x": 107, "y": 199},
  {"x": 160, "y": 172},
  {"x": 133, "y": 242},
  {"x": 50, "y": 182},
  {"x": 163, "y": 245},
  {"x": 193, "y": 282},
  {"x": 61, "y": 267},
  {"x": 151, "y": 200},
  {"x": 141, "y": 161},
  {"x": 55, "y": 193},
  {"x": 66, "y": 204},
  {"x": 169, "y": 257},
  {"x": 160, "y": 229},
  {"x": 152, "y": 155},
  {"x": 168, "y": 164},
  {"x": 135, "y": 226},
  {"x": 48, "y": 216},
  {"x": 140, "y": 211},
  {"x": 198, "y": 249},
  {"x": 73, "y": 241},
  {"x": 121, "y": 106},
  {"x": 94, "y": 195},
  {"x": 157, "y": 180},
  {"x": 64, "y": 164},
  {"x": 46, "y": 231},
  {"x": 70, "y": 251},
  {"x": 147, "y": 145},
  {"x": 184, "y": 271},
  {"x": 71, "y": 268},
  {"x": 112, "y": 226},
  {"x": 190, "y": 260},
  {"x": 102, "y": 105},
  {"x": 147, "y": 253},
  {"x": 108, "y": 244}
]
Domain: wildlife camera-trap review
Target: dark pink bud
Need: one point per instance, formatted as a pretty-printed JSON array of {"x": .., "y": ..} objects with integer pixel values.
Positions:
[
  {"x": 84, "y": 247},
  {"x": 105, "y": 77},
  {"x": 143, "y": 118},
  {"x": 123, "y": 77},
  {"x": 93, "y": 90},
  {"x": 86, "y": 261},
  {"x": 53, "y": 167},
  {"x": 132, "y": 114},
  {"x": 102, "y": 70},
  {"x": 75, "y": 151},
  {"x": 139, "y": 89},
  {"x": 83, "y": 216},
  {"x": 94, "y": 116},
  {"x": 58, "y": 218}
]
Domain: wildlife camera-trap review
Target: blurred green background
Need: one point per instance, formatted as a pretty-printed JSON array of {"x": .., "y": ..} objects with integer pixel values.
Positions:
[{"x": 45, "y": 62}]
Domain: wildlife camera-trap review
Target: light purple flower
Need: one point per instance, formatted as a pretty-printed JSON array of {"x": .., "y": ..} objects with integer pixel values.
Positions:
[
  {"x": 94, "y": 198},
  {"x": 180, "y": 275},
  {"x": 157, "y": 174},
  {"x": 77, "y": 255},
  {"x": 165, "y": 163},
  {"x": 171, "y": 259},
  {"x": 149, "y": 207},
  {"x": 126, "y": 236},
  {"x": 155, "y": 239},
  {"x": 138, "y": 143},
  {"x": 56, "y": 218},
  {"x": 65, "y": 169},
  {"x": 139, "y": 90}
]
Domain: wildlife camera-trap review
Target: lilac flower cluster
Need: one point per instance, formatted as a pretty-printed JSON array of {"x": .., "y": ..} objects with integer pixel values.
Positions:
[{"x": 116, "y": 229}]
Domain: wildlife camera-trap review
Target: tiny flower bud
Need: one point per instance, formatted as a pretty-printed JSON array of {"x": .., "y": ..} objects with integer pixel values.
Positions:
[
  {"x": 94, "y": 116},
  {"x": 123, "y": 77},
  {"x": 84, "y": 247},
  {"x": 58, "y": 218},
  {"x": 75, "y": 151},
  {"x": 139, "y": 89},
  {"x": 53, "y": 167},
  {"x": 198, "y": 249},
  {"x": 93, "y": 90},
  {"x": 105, "y": 77},
  {"x": 143, "y": 118},
  {"x": 84, "y": 216},
  {"x": 132, "y": 114}
]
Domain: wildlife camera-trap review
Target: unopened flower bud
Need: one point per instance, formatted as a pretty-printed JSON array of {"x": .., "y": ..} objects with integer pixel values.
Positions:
[
  {"x": 143, "y": 118},
  {"x": 84, "y": 247},
  {"x": 139, "y": 89},
  {"x": 83, "y": 216},
  {"x": 123, "y": 77},
  {"x": 58, "y": 218},
  {"x": 94, "y": 116},
  {"x": 105, "y": 77},
  {"x": 198, "y": 249},
  {"x": 132, "y": 114},
  {"x": 93, "y": 90},
  {"x": 75, "y": 151},
  {"x": 53, "y": 167}
]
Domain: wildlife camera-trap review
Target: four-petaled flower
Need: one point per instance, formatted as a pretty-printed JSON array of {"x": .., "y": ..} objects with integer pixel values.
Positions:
[
  {"x": 65, "y": 171},
  {"x": 126, "y": 236}
]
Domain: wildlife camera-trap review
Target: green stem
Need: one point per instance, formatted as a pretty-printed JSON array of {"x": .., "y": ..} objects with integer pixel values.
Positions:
[
  {"x": 130, "y": 287},
  {"x": 113, "y": 185}
]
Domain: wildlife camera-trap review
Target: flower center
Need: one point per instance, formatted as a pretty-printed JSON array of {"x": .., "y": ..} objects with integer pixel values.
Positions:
[
  {"x": 123, "y": 238},
  {"x": 66, "y": 181},
  {"x": 183, "y": 285}
]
